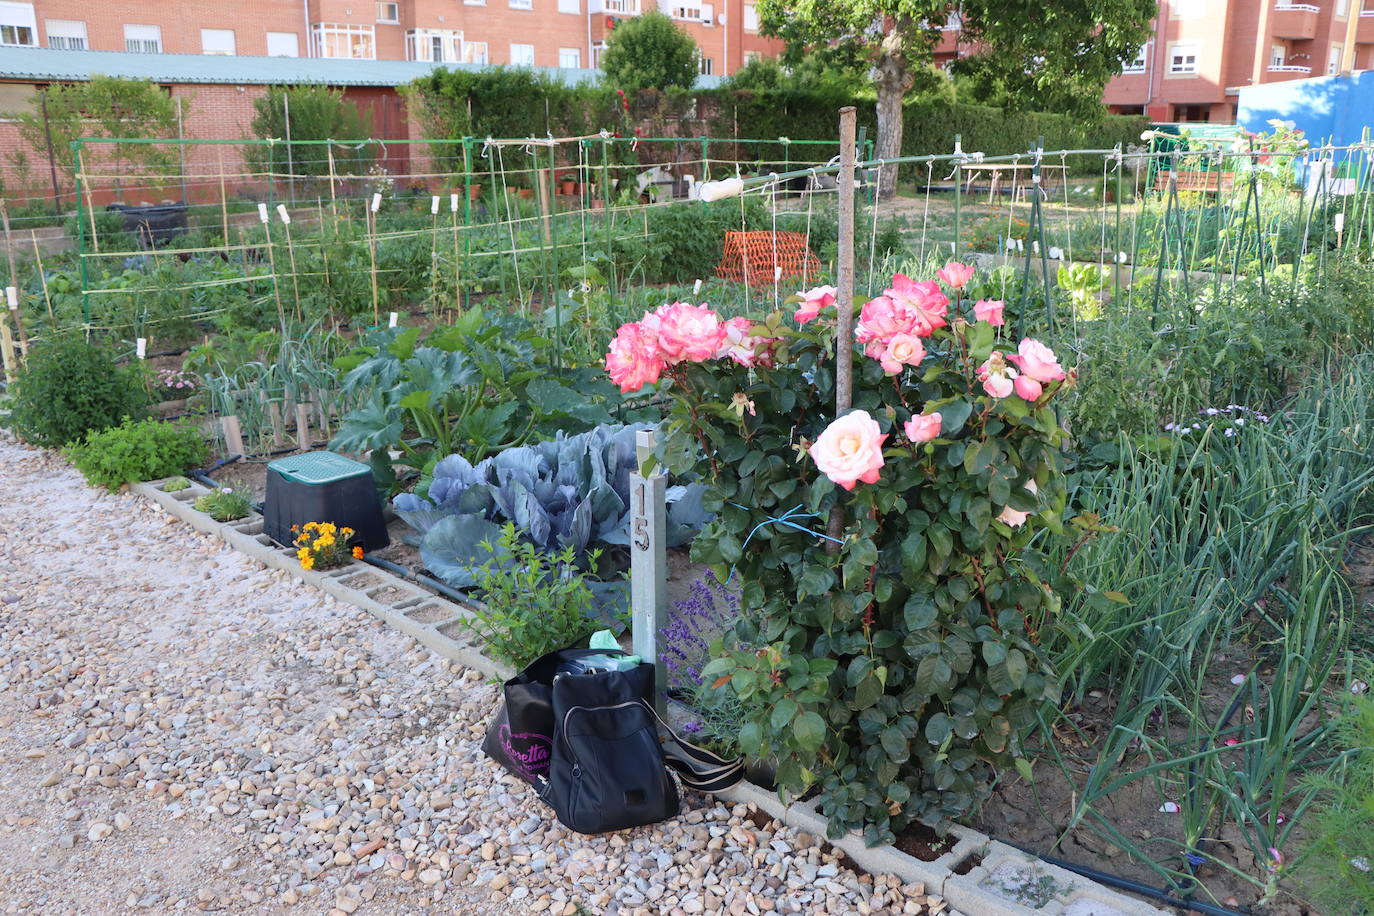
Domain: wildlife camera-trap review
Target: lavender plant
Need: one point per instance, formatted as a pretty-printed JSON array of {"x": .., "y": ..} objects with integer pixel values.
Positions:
[{"x": 693, "y": 624}]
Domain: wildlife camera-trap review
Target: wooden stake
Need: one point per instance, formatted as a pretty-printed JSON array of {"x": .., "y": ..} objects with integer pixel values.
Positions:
[
  {"x": 372, "y": 260},
  {"x": 15, "y": 315},
  {"x": 42, "y": 277},
  {"x": 278, "y": 425},
  {"x": 303, "y": 427},
  {"x": 7, "y": 349},
  {"x": 233, "y": 438},
  {"x": 844, "y": 298},
  {"x": 223, "y": 197}
]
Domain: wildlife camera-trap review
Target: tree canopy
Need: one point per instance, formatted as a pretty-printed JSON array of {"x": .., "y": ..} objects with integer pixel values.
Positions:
[
  {"x": 1046, "y": 54},
  {"x": 649, "y": 52}
]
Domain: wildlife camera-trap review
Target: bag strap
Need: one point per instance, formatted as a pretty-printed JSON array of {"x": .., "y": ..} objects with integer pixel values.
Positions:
[{"x": 695, "y": 766}]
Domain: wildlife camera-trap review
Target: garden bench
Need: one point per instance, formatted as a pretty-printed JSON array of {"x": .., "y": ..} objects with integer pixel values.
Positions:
[{"x": 1195, "y": 180}]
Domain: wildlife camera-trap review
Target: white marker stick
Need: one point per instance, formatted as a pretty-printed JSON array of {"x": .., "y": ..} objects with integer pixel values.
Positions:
[
  {"x": 285, "y": 217},
  {"x": 141, "y": 347},
  {"x": 376, "y": 201},
  {"x": 262, "y": 213},
  {"x": 434, "y": 205},
  {"x": 392, "y": 321}
]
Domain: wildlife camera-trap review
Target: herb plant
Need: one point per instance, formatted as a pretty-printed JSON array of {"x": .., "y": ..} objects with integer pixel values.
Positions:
[
  {"x": 72, "y": 387},
  {"x": 225, "y": 504},
  {"x": 137, "y": 450}
]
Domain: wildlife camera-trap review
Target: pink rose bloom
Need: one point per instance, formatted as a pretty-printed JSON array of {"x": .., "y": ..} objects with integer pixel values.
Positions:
[
  {"x": 996, "y": 376},
  {"x": 923, "y": 428},
  {"x": 1012, "y": 517},
  {"x": 850, "y": 450},
  {"x": 956, "y": 275},
  {"x": 633, "y": 360},
  {"x": 1027, "y": 388},
  {"x": 989, "y": 310},
  {"x": 813, "y": 300},
  {"x": 902, "y": 350},
  {"x": 740, "y": 346},
  {"x": 1038, "y": 361},
  {"x": 687, "y": 332},
  {"x": 925, "y": 297},
  {"x": 879, "y": 319}
]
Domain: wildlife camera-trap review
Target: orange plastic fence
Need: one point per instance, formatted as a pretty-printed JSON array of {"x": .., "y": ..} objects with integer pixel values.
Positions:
[{"x": 750, "y": 257}]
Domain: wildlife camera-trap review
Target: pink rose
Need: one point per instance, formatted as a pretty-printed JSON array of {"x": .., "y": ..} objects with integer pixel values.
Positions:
[
  {"x": 633, "y": 360},
  {"x": 850, "y": 450},
  {"x": 1027, "y": 388},
  {"x": 902, "y": 350},
  {"x": 1012, "y": 517},
  {"x": 925, "y": 297},
  {"x": 1038, "y": 361},
  {"x": 996, "y": 376},
  {"x": 989, "y": 310},
  {"x": 686, "y": 332},
  {"x": 922, "y": 428},
  {"x": 955, "y": 275},
  {"x": 813, "y": 300},
  {"x": 743, "y": 348}
]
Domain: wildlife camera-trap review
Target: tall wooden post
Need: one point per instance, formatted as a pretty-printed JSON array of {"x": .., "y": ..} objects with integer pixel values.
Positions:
[
  {"x": 649, "y": 562},
  {"x": 844, "y": 297}
]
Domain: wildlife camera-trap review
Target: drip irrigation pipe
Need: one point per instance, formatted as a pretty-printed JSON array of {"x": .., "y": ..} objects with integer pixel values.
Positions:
[
  {"x": 203, "y": 475},
  {"x": 1134, "y": 887},
  {"x": 429, "y": 583}
]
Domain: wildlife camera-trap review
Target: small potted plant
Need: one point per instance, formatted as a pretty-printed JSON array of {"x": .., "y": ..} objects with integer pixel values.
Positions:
[
  {"x": 169, "y": 389},
  {"x": 567, "y": 184}
]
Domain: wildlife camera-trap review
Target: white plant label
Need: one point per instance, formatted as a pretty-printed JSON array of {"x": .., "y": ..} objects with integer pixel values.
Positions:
[
  {"x": 376, "y": 201},
  {"x": 391, "y": 322},
  {"x": 777, "y": 273},
  {"x": 262, "y": 213},
  {"x": 696, "y": 288},
  {"x": 281, "y": 212},
  {"x": 1340, "y": 223},
  {"x": 12, "y": 296},
  {"x": 434, "y": 205},
  {"x": 141, "y": 347},
  {"x": 453, "y": 203}
]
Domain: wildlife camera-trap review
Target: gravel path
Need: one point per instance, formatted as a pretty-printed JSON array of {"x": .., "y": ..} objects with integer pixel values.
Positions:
[{"x": 182, "y": 730}]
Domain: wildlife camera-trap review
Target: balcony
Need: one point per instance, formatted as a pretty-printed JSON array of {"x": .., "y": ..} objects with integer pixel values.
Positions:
[
  {"x": 1364, "y": 30},
  {"x": 615, "y": 7},
  {"x": 1295, "y": 20},
  {"x": 1280, "y": 72}
]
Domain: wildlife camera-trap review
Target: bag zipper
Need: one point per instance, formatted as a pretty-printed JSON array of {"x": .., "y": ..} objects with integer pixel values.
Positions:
[{"x": 577, "y": 764}]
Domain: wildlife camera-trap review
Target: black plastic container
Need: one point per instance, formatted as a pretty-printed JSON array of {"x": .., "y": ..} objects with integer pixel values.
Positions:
[
  {"x": 323, "y": 487},
  {"x": 153, "y": 225}
]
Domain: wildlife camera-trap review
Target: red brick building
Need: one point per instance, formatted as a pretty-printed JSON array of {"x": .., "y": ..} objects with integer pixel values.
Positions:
[
  {"x": 542, "y": 33},
  {"x": 1204, "y": 51}
]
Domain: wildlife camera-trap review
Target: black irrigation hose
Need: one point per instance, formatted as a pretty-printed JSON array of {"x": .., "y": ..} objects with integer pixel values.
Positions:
[
  {"x": 1126, "y": 884},
  {"x": 203, "y": 475}
]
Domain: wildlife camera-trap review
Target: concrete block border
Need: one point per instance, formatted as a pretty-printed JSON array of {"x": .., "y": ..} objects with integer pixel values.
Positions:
[{"x": 978, "y": 875}]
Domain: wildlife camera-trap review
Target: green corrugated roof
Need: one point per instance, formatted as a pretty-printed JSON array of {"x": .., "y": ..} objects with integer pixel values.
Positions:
[{"x": 45, "y": 64}]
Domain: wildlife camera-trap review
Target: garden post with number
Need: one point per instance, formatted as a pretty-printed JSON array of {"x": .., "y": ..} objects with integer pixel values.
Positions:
[{"x": 648, "y": 561}]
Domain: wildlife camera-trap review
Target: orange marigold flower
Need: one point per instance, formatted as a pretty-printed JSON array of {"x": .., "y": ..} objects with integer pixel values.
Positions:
[{"x": 357, "y": 553}]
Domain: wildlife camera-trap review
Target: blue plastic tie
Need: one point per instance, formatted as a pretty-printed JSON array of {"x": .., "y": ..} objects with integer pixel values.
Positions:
[{"x": 786, "y": 519}]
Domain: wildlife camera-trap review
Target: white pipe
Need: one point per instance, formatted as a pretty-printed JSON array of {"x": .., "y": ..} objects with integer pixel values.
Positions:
[
  {"x": 305, "y": 12},
  {"x": 719, "y": 190}
]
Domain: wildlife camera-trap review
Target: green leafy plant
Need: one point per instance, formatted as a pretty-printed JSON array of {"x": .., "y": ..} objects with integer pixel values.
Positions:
[
  {"x": 533, "y": 602},
  {"x": 176, "y": 485},
  {"x": 137, "y": 450},
  {"x": 71, "y": 387},
  {"x": 316, "y": 113},
  {"x": 225, "y": 504}
]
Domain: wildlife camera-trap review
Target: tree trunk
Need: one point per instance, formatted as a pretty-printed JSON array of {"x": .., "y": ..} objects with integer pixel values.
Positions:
[{"x": 892, "y": 78}]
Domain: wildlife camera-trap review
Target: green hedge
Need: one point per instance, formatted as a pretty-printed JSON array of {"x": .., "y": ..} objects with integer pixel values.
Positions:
[{"x": 503, "y": 102}]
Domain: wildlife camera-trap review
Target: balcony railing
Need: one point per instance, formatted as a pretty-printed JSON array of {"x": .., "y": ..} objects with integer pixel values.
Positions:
[
  {"x": 1305, "y": 7},
  {"x": 619, "y": 7},
  {"x": 1288, "y": 68}
]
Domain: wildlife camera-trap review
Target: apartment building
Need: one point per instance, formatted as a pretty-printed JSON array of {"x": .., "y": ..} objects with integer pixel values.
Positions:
[
  {"x": 542, "y": 33},
  {"x": 1204, "y": 51}
]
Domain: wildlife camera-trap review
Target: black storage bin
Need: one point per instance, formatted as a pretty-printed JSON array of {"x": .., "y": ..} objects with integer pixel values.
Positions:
[
  {"x": 323, "y": 487},
  {"x": 153, "y": 225}
]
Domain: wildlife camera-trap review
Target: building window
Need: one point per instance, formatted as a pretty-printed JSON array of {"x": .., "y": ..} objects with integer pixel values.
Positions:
[
  {"x": 17, "y": 25},
  {"x": 598, "y": 49},
  {"x": 143, "y": 39},
  {"x": 434, "y": 45},
  {"x": 217, "y": 41},
  {"x": 626, "y": 7},
  {"x": 343, "y": 41},
  {"x": 1183, "y": 58},
  {"x": 705, "y": 66},
  {"x": 474, "y": 2},
  {"x": 475, "y": 52},
  {"x": 522, "y": 4},
  {"x": 283, "y": 44},
  {"x": 751, "y": 17},
  {"x": 1137, "y": 65},
  {"x": 751, "y": 56},
  {"x": 66, "y": 34},
  {"x": 1342, "y": 7},
  {"x": 389, "y": 13},
  {"x": 522, "y": 55},
  {"x": 1333, "y": 63},
  {"x": 1277, "y": 55},
  {"x": 570, "y": 58},
  {"x": 569, "y": 6},
  {"x": 1188, "y": 9},
  {"x": 953, "y": 22}
]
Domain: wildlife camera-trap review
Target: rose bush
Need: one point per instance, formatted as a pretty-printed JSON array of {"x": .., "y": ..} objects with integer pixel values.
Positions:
[{"x": 894, "y": 666}]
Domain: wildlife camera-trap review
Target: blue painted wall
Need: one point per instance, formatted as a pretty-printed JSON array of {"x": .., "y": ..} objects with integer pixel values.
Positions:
[{"x": 1337, "y": 108}]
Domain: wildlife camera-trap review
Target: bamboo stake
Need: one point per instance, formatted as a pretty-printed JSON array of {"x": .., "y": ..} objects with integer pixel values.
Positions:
[
  {"x": 42, "y": 277},
  {"x": 223, "y": 196},
  {"x": 844, "y": 298}
]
